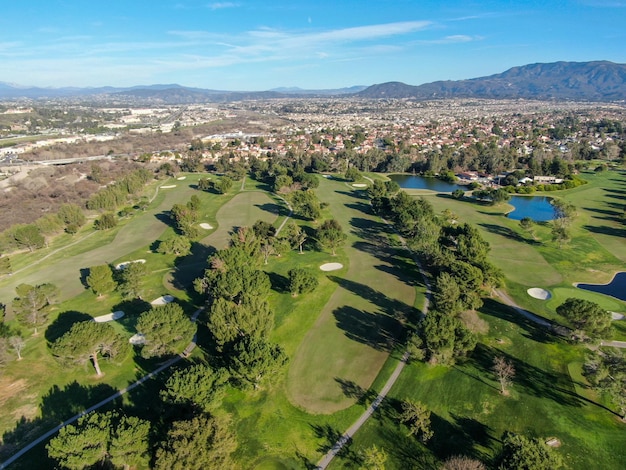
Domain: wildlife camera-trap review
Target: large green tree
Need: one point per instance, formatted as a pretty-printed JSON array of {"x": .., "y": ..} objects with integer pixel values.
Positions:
[
  {"x": 29, "y": 305},
  {"x": 100, "y": 279},
  {"x": 88, "y": 341},
  {"x": 132, "y": 276},
  {"x": 199, "y": 443},
  {"x": 523, "y": 453},
  {"x": 301, "y": 281},
  {"x": 416, "y": 417},
  {"x": 586, "y": 316},
  {"x": 256, "y": 360},
  {"x": 102, "y": 438},
  {"x": 198, "y": 385},
  {"x": 331, "y": 235},
  {"x": 166, "y": 329}
]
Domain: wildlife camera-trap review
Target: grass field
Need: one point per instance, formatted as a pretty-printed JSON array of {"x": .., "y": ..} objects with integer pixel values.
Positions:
[{"x": 357, "y": 328}]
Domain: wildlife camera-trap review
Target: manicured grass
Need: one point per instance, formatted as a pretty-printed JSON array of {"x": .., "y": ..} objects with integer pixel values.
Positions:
[
  {"x": 356, "y": 329},
  {"x": 469, "y": 414}
]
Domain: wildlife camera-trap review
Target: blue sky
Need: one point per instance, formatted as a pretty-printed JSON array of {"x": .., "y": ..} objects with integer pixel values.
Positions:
[{"x": 259, "y": 45}]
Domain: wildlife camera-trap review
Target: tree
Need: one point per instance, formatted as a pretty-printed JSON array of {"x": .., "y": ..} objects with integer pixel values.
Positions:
[
  {"x": 417, "y": 417},
  {"x": 72, "y": 216},
  {"x": 447, "y": 294},
  {"x": 28, "y": 236},
  {"x": 17, "y": 343},
  {"x": 305, "y": 204},
  {"x": 560, "y": 234},
  {"x": 586, "y": 316},
  {"x": 527, "y": 224},
  {"x": 101, "y": 438},
  {"x": 505, "y": 371},
  {"x": 564, "y": 212},
  {"x": 167, "y": 330},
  {"x": 255, "y": 360},
  {"x": 106, "y": 221},
  {"x": 87, "y": 341},
  {"x": 198, "y": 385},
  {"x": 296, "y": 235},
  {"x": 177, "y": 245},
  {"x": 100, "y": 279},
  {"x": 82, "y": 445},
  {"x": 330, "y": 235},
  {"x": 445, "y": 337},
  {"x": 131, "y": 280},
  {"x": 204, "y": 184},
  {"x": 301, "y": 281},
  {"x": 522, "y": 453},
  {"x": 606, "y": 371},
  {"x": 196, "y": 444},
  {"x": 223, "y": 185},
  {"x": 374, "y": 458},
  {"x": 29, "y": 305},
  {"x": 230, "y": 321},
  {"x": 352, "y": 174}
]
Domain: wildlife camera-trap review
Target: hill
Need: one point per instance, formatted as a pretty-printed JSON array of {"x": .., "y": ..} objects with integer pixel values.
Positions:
[{"x": 586, "y": 81}]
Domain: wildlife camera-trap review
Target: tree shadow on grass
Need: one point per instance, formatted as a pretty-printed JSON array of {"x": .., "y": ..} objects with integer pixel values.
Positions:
[
  {"x": 531, "y": 329},
  {"x": 374, "y": 330},
  {"x": 279, "y": 282},
  {"x": 190, "y": 267},
  {"x": 353, "y": 390},
  {"x": 330, "y": 437},
  {"x": 604, "y": 230},
  {"x": 506, "y": 232},
  {"x": 58, "y": 405},
  {"x": 276, "y": 209},
  {"x": 132, "y": 309},
  {"x": 359, "y": 206},
  {"x": 406, "y": 450},
  {"x": 63, "y": 323}
]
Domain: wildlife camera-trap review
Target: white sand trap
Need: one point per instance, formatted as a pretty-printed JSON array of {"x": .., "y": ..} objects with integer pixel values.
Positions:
[
  {"x": 138, "y": 338},
  {"x": 126, "y": 263},
  {"x": 166, "y": 299},
  {"x": 168, "y": 186},
  {"x": 617, "y": 316},
  {"x": 331, "y": 266},
  {"x": 539, "y": 293},
  {"x": 180, "y": 178},
  {"x": 359, "y": 185},
  {"x": 206, "y": 226},
  {"x": 109, "y": 317}
]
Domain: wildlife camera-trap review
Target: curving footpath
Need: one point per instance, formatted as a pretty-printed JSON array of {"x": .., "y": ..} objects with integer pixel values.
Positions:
[{"x": 117, "y": 394}]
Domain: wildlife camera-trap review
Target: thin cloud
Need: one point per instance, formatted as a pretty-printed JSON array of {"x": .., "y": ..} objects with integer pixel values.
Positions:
[
  {"x": 222, "y": 5},
  {"x": 454, "y": 39}
]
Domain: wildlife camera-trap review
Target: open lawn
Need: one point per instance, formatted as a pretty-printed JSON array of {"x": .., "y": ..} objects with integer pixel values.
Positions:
[
  {"x": 357, "y": 328},
  {"x": 469, "y": 414}
]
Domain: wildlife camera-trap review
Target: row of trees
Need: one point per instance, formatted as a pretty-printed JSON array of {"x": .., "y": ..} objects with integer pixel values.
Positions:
[{"x": 116, "y": 195}]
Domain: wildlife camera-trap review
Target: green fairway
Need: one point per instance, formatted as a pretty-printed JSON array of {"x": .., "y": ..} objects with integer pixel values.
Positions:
[
  {"x": 356, "y": 329},
  {"x": 469, "y": 414}
]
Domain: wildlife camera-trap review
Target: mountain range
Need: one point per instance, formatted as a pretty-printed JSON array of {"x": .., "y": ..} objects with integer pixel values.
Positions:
[{"x": 580, "y": 81}]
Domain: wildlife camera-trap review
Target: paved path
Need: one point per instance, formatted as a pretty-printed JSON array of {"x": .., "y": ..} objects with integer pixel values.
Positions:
[
  {"x": 347, "y": 436},
  {"x": 116, "y": 395}
]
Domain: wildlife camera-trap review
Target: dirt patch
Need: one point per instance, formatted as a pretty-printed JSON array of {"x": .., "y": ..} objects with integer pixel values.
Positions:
[
  {"x": 331, "y": 266},
  {"x": 539, "y": 293},
  {"x": 9, "y": 388},
  {"x": 474, "y": 323}
]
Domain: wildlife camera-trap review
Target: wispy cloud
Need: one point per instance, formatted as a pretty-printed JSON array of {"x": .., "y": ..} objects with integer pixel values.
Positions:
[
  {"x": 454, "y": 39},
  {"x": 222, "y": 5}
]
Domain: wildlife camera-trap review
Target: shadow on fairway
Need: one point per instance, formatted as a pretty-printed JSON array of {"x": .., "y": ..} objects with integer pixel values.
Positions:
[
  {"x": 56, "y": 406},
  {"x": 275, "y": 209},
  {"x": 357, "y": 194},
  {"x": 63, "y": 323},
  {"x": 531, "y": 329},
  {"x": 330, "y": 436},
  {"x": 353, "y": 390},
  {"x": 360, "y": 206},
  {"x": 604, "y": 230},
  {"x": 508, "y": 233},
  {"x": 374, "y": 330},
  {"x": 190, "y": 267}
]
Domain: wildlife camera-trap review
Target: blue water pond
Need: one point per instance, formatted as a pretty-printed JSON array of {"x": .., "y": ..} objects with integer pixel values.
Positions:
[{"x": 616, "y": 288}]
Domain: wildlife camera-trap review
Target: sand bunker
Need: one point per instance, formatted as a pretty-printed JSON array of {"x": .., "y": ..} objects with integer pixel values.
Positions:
[
  {"x": 109, "y": 317},
  {"x": 180, "y": 178},
  {"x": 121, "y": 266},
  {"x": 617, "y": 316},
  {"x": 138, "y": 338},
  {"x": 359, "y": 185},
  {"x": 166, "y": 299},
  {"x": 539, "y": 293},
  {"x": 331, "y": 266},
  {"x": 206, "y": 226},
  {"x": 168, "y": 186}
]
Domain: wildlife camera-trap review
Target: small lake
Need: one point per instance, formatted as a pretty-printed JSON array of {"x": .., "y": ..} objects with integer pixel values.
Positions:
[
  {"x": 616, "y": 288},
  {"x": 420, "y": 182},
  {"x": 537, "y": 208}
]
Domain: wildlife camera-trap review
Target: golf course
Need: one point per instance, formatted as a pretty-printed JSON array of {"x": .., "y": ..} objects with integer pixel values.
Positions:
[{"x": 344, "y": 339}]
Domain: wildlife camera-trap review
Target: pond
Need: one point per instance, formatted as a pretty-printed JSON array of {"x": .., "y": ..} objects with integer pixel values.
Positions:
[
  {"x": 537, "y": 208},
  {"x": 420, "y": 182},
  {"x": 616, "y": 288}
]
